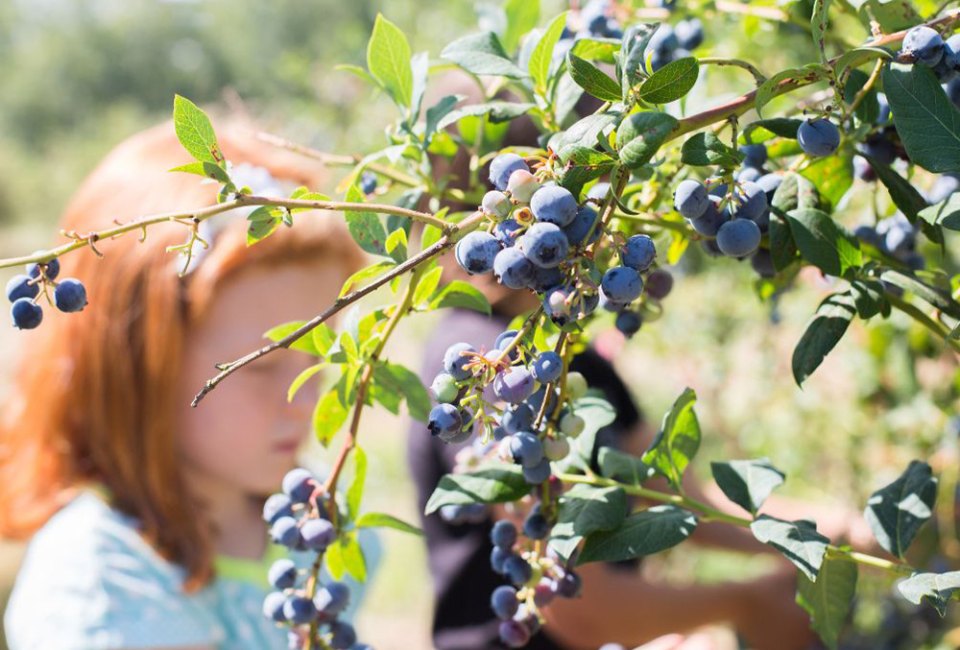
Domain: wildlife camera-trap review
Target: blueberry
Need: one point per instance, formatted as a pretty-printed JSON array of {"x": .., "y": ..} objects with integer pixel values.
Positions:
[
  {"x": 599, "y": 191},
  {"x": 507, "y": 232},
  {"x": 924, "y": 44},
  {"x": 522, "y": 186},
  {"x": 690, "y": 199},
  {"x": 502, "y": 166},
  {"x": 621, "y": 284},
  {"x": 496, "y": 204},
  {"x": 818, "y": 137},
  {"x": 538, "y": 473},
  {"x": 748, "y": 174},
  {"x": 751, "y": 203},
  {"x": 343, "y": 636},
  {"x": 444, "y": 420},
  {"x": 943, "y": 187},
  {"x": 461, "y": 434},
  {"x": 577, "y": 230},
  {"x": 504, "y": 602},
  {"x": 476, "y": 252},
  {"x": 512, "y": 269},
  {"x": 554, "y": 204},
  {"x": 284, "y": 531},
  {"x": 514, "y": 384},
  {"x": 557, "y": 303},
  {"x": 498, "y": 557},
  {"x": 504, "y": 340},
  {"x": 273, "y": 606},
  {"x": 628, "y": 322},
  {"x": 513, "y": 634},
  {"x": 368, "y": 182},
  {"x": 19, "y": 287},
  {"x": 517, "y": 570},
  {"x": 689, "y": 33},
  {"x": 526, "y": 448},
  {"x": 738, "y": 238},
  {"x": 317, "y": 534},
  {"x": 555, "y": 448},
  {"x": 755, "y": 155},
  {"x": 572, "y": 424},
  {"x": 454, "y": 360},
  {"x": 878, "y": 148},
  {"x": 569, "y": 585},
  {"x": 52, "y": 268},
  {"x": 545, "y": 245},
  {"x": 444, "y": 388},
  {"x": 709, "y": 223},
  {"x": 70, "y": 295},
  {"x": 638, "y": 252},
  {"x": 503, "y": 534},
  {"x": 282, "y": 574},
  {"x": 547, "y": 367},
  {"x": 332, "y": 598},
  {"x": 762, "y": 263},
  {"x": 276, "y": 506},
  {"x": 545, "y": 280},
  {"x": 26, "y": 315},
  {"x": 664, "y": 40},
  {"x": 769, "y": 184},
  {"x": 536, "y": 526},
  {"x": 868, "y": 234},
  {"x": 518, "y": 418},
  {"x": 299, "y": 610},
  {"x": 298, "y": 484}
]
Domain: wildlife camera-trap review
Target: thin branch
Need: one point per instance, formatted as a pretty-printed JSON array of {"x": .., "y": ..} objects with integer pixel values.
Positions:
[
  {"x": 758, "y": 76},
  {"x": 346, "y": 206}
]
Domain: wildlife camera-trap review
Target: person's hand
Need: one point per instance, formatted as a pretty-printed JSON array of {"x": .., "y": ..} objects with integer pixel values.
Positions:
[{"x": 769, "y": 617}]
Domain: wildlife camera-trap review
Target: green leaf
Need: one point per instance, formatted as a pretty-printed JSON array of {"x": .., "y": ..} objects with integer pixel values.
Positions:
[
  {"x": 763, "y": 130},
  {"x": 388, "y": 58},
  {"x": 775, "y": 85},
  {"x": 597, "y": 49},
  {"x": 828, "y": 600},
  {"x": 366, "y": 273},
  {"x": 904, "y": 194},
  {"x": 460, "y": 294},
  {"x": 323, "y": 338},
  {"x": 596, "y": 413},
  {"x": 677, "y": 441},
  {"x": 205, "y": 169},
  {"x": 195, "y": 132},
  {"x": 522, "y": 16},
  {"x": 705, "y": 148},
  {"x": 496, "y": 112},
  {"x": 301, "y": 379},
  {"x": 892, "y": 15},
  {"x": 828, "y": 326},
  {"x": 264, "y": 221},
  {"x": 427, "y": 285},
  {"x": 496, "y": 483},
  {"x": 365, "y": 227},
  {"x": 798, "y": 540},
  {"x": 643, "y": 533},
  {"x": 403, "y": 381},
  {"x": 539, "y": 65},
  {"x": 622, "y": 467},
  {"x": 832, "y": 175},
  {"x": 328, "y": 416},
  {"x": 868, "y": 297},
  {"x": 795, "y": 192},
  {"x": 585, "y": 509},
  {"x": 823, "y": 242},
  {"x": 303, "y": 344},
  {"x": 858, "y": 56},
  {"x": 818, "y": 26},
  {"x": 747, "y": 483},
  {"x": 482, "y": 54},
  {"x": 936, "y": 297},
  {"x": 383, "y": 520},
  {"x": 592, "y": 79},
  {"x": 935, "y": 588},
  {"x": 355, "y": 491},
  {"x": 946, "y": 213},
  {"x": 641, "y": 135},
  {"x": 583, "y": 133},
  {"x": 927, "y": 121},
  {"x": 436, "y": 113},
  {"x": 671, "y": 82},
  {"x": 358, "y": 71},
  {"x": 896, "y": 512},
  {"x": 346, "y": 556}
]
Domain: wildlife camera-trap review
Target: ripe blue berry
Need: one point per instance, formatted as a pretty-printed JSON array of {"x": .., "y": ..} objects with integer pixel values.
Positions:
[
  {"x": 273, "y": 606},
  {"x": 621, "y": 284},
  {"x": 512, "y": 269},
  {"x": 70, "y": 295},
  {"x": 709, "y": 223},
  {"x": 502, "y": 166},
  {"x": 629, "y": 322},
  {"x": 554, "y": 204},
  {"x": 507, "y": 232},
  {"x": 599, "y": 191},
  {"x": 762, "y": 263},
  {"x": 536, "y": 526},
  {"x": 504, "y": 602},
  {"x": 299, "y": 610},
  {"x": 498, "y": 557},
  {"x": 689, "y": 34},
  {"x": 282, "y": 574},
  {"x": 517, "y": 570},
  {"x": 659, "y": 283},
  {"x": 547, "y": 367},
  {"x": 298, "y": 484},
  {"x": 284, "y": 531},
  {"x": 538, "y": 473},
  {"x": 577, "y": 230},
  {"x": 545, "y": 245},
  {"x": 276, "y": 506},
  {"x": 26, "y": 315},
  {"x": 444, "y": 420},
  {"x": 690, "y": 199},
  {"x": 638, "y": 252},
  {"x": 317, "y": 534},
  {"x": 454, "y": 360},
  {"x": 19, "y": 287},
  {"x": 769, "y": 184},
  {"x": 333, "y": 598},
  {"x": 755, "y": 155},
  {"x": 514, "y": 634},
  {"x": 925, "y": 44},
  {"x": 526, "y": 448},
  {"x": 738, "y": 238},
  {"x": 569, "y": 585},
  {"x": 819, "y": 137},
  {"x": 52, "y": 268},
  {"x": 514, "y": 384},
  {"x": 343, "y": 635},
  {"x": 368, "y": 182},
  {"x": 476, "y": 252},
  {"x": 751, "y": 203},
  {"x": 517, "y": 419},
  {"x": 503, "y": 535}
]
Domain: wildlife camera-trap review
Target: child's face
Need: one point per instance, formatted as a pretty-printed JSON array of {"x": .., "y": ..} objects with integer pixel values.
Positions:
[{"x": 244, "y": 434}]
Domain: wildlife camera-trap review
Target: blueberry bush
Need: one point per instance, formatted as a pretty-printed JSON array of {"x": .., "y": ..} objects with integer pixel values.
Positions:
[{"x": 588, "y": 221}]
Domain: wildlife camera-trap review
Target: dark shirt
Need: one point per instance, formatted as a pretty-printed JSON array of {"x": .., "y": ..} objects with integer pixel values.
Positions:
[{"x": 459, "y": 554}]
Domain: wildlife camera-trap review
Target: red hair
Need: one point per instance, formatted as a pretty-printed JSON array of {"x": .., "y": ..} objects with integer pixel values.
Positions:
[{"x": 92, "y": 396}]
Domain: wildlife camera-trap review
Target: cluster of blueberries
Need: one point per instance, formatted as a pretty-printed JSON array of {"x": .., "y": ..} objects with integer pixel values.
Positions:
[
  {"x": 925, "y": 46},
  {"x": 297, "y": 521},
  {"x": 896, "y": 237},
  {"x": 69, "y": 294},
  {"x": 670, "y": 43},
  {"x": 532, "y": 578}
]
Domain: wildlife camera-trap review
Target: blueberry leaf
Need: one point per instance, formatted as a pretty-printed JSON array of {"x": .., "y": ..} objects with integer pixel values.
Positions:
[
  {"x": 195, "y": 132},
  {"x": 677, "y": 441},
  {"x": 383, "y": 520},
  {"x": 671, "y": 82},
  {"x": 828, "y": 600},
  {"x": 487, "y": 484},
  {"x": 483, "y": 55},
  {"x": 798, "y": 541},
  {"x": 934, "y": 588},
  {"x": 592, "y": 79},
  {"x": 823, "y": 242},
  {"x": 896, "y": 512},
  {"x": 460, "y": 294},
  {"x": 388, "y": 58},
  {"x": 747, "y": 483},
  {"x": 542, "y": 56},
  {"x": 585, "y": 509},
  {"x": 643, "y": 533},
  {"x": 825, "y": 330}
]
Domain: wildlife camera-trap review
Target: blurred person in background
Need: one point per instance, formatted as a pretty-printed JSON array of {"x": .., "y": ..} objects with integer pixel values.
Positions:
[{"x": 144, "y": 514}]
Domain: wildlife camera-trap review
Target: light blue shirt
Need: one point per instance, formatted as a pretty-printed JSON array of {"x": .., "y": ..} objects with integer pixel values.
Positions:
[{"x": 89, "y": 581}]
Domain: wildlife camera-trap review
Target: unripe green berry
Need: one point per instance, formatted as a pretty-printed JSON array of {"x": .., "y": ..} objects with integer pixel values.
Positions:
[
  {"x": 576, "y": 385},
  {"x": 522, "y": 186},
  {"x": 556, "y": 448},
  {"x": 572, "y": 425},
  {"x": 444, "y": 388},
  {"x": 496, "y": 204}
]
